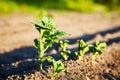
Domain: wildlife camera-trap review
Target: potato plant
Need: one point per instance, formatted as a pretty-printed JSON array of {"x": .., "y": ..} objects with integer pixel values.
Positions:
[
  {"x": 48, "y": 35},
  {"x": 63, "y": 47},
  {"x": 97, "y": 49},
  {"x": 82, "y": 49},
  {"x": 58, "y": 67}
]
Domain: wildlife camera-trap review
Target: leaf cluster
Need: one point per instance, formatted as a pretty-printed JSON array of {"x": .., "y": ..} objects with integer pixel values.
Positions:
[
  {"x": 98, "y": 47},
  {"x": 50, "y": 34},
  {"x": 63, "y": 47},
  {"x": 82, "y": 48},
  {"x": 58, "y": 67}
]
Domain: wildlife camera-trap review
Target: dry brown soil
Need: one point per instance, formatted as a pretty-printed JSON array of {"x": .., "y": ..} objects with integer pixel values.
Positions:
[{"x": 18, "y": 56}]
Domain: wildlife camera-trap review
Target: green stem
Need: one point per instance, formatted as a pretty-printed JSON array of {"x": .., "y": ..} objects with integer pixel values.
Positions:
[
  {"x": 40, "y": 67},
  {"x": 81, "y": 55},
  {"x": 53, "y": 76},
  {"x": 66, "y": 57},
  {"x": 41, "y": 53},
  {"x": 41, "y": 49},
  {"x": 93, "y": 57},
  {"x": 46, "y": 49}
]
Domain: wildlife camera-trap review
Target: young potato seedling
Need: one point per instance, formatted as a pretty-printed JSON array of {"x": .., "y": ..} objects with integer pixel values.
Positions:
[
  {"x": 82, "y": 49},
  {"x": 58, "y": 67},
  {"x": 48, "y": 35},
  {"x": 97, "y": 49},
  {"x": 64, "y": 52}
]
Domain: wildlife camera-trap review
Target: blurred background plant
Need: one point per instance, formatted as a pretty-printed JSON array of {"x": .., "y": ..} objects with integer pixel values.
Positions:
[{"x": 85, "y": 6}]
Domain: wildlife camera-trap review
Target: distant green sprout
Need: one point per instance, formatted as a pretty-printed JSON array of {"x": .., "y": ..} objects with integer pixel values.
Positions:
[
  {"x": 48, "y": 35},
  {"x": 58, "y": 67},
  {"x": 63, "y": 47},
  {"x": 82, "y": 49},
  {"x": 97, "y": 49}
]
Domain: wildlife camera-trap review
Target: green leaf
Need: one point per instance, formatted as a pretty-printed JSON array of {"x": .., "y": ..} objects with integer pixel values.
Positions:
[
  {"x": 48, "y": 22},
  {"x": 67, "y": 52},
  {"x": 76, "y": 53},
  {"x": 64, "y": 55},
  {"x": 51, "y": 24},
  {"x": 98, "y": 47},
  {"x": 49, "y": 43},
  {"x": 41, "y": 60},
  {"x": 83, "y": 45},
  {"x": 97, "y": 43},
  {"x": 47, "y": 34},
  {"x": 60, "y": 33},
  {"x": 49, "y": 58},
  {"x": 103, "y": 45},
  {"x": 39, "y": 26},
  {"x": 55, "y": 39},
  {"x": 86, "y": 48},
  {"x": 66, "y": 41},
  {"x": 44, "y": 58},
  {"x": 36, "y": 43},
  {"x": 58, "y": 66},
  {"x": 45, "y": 20}
]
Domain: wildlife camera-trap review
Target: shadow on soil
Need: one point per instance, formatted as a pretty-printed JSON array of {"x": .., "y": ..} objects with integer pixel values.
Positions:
[
  {"x": 110, "y": 76},
  {"x": 21, "y": 61},
  {"x": 88, "y": 37}
]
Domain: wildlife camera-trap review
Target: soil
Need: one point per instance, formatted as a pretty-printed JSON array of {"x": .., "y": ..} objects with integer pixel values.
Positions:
[{"x": 18, "y": 56}]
